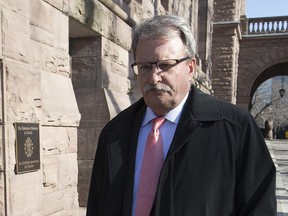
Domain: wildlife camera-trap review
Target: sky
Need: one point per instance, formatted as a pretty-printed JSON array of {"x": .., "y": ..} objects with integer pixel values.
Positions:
[{"x": 266, "y": 8}]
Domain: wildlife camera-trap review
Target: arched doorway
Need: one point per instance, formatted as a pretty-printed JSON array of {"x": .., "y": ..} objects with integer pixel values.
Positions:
[{"x": 269, "y": 100}]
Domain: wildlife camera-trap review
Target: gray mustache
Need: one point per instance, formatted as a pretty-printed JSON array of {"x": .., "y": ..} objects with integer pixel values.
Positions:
[{"x": 157, "y": 87}]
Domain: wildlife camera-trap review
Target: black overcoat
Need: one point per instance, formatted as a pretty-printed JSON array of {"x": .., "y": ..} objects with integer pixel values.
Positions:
[{"x": 218, "y": 164}]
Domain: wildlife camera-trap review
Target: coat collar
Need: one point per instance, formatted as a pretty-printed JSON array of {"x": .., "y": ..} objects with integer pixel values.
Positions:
[
  {"x": 199, "y": 106},
  {"x": 203, "y": 107}
]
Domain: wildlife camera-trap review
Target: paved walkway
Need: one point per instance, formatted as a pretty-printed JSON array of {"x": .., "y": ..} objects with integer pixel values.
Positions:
[{"x": 279, "y": 152}]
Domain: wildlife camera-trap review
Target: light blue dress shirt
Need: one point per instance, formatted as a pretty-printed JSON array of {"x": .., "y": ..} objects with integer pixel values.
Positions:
[{"x": 167, "y": 131}]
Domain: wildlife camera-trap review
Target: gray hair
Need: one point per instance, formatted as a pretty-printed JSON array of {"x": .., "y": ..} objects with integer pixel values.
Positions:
[{"x": 167, "y": 26}]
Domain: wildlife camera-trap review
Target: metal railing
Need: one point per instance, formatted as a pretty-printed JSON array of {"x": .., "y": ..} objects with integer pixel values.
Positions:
[{"x": 267, "y": 25}]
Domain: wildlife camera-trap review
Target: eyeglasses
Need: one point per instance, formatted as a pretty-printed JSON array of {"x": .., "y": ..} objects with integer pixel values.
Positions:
[{"x": 143, "y": 68}]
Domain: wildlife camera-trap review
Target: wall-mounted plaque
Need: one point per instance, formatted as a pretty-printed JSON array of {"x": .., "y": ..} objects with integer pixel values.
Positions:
[{"x": 27, "y": 147}]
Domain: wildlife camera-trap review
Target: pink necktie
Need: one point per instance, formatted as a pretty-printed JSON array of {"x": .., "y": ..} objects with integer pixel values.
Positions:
[{"x": 151, "y": 166}]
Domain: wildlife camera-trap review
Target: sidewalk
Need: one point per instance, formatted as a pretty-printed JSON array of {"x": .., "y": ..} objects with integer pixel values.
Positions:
[{"x": 279, "y": 153}]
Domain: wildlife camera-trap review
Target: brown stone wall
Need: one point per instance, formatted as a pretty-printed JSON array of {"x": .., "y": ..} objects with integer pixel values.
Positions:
[
  {"x": 228, "y": 10},
  {"x": 205, "y": 29},
  {"x": 36, "y": 87},
  {"x": 225, "y": 46},
  {"x": 225, "y": 56}
]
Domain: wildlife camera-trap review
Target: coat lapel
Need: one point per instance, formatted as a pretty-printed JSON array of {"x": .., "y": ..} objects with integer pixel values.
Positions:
[
  {"x": 186, "y": 123},
  {"x": 199, "y": 108}
]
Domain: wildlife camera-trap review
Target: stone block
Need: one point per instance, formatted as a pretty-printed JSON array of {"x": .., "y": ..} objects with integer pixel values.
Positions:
[
  {"x": 18, "y": 6},
  {"x": 55, "y": 3},
  {"x": 71, "y": 201},
  {"x": 41, "y": 36},
  {"x": 85, "y": 72},
  {"x": 59, "y": 104},
  {"x": 226, "y": 10},
  {"x": 115, "y": 59},
  {"x": 38, "y": 54},
  {"x": 86, "y": 47},
  {"x": 58, "y": 140},
  {"x": 114, "y": 81},
  {"x": 60, "y": 184},
  {"x": 57, "y": 61},
  {"x": 92, "y": 103},
  {"x": 23, "y": 92},
  {"x": 60, "y": 29},
  {"x": 50, "y": 171},
  {"x": 15, "y": 35},
  {"x": 24, "y": 194},
  {"x": 49, "y": 52},
  {"x": 67, "y": 171},
  {"x": 101, "y": 20},
  {"x": 39, "y": 12},
  {"x": 54, "y": 203}
]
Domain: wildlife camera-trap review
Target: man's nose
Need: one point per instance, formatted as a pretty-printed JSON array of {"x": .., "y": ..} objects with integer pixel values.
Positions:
[
  {"x": 155, "y": 67},
  {"x": 155, "y": 75}
]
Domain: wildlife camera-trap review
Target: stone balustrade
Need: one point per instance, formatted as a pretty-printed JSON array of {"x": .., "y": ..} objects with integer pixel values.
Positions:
[{"x": 267, "y": 25}]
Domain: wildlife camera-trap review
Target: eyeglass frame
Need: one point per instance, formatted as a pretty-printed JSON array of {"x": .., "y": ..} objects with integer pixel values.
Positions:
[{"x": 157, "y": 62}]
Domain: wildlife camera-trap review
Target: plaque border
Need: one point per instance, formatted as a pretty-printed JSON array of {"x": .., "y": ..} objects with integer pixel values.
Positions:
[{"x": 19, "y": 170}]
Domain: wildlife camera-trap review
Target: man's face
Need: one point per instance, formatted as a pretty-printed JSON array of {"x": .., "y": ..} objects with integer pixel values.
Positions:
[{"x": 163, "y": 90}]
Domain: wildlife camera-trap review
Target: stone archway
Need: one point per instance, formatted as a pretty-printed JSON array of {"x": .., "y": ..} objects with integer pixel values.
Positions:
[
  {"x": 269, "y": 101},
  {"x": 275, "y": 70},
  {"x": 259, "y": 59}
]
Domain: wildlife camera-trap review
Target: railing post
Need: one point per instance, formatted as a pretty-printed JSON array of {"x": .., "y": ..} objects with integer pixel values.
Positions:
[{"x": 276, "y": 26}]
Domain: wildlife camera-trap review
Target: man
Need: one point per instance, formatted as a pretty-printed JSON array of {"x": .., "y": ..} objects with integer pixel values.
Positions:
[{"x": 212, "y": 159}]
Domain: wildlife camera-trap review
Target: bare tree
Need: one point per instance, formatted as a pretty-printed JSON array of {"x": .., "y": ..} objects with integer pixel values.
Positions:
[{"x": 268, "y": 103}]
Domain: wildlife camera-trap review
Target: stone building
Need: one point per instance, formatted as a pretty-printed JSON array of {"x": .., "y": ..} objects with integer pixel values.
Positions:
[{"x": 65, "y": 67}]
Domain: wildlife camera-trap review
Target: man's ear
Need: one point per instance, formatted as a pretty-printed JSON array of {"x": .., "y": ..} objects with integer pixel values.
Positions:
[{"x": 192, "y": 67}]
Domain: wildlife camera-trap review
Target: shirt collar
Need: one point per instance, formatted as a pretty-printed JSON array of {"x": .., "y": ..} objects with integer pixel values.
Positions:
[{"x": 172, "y": 116}]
